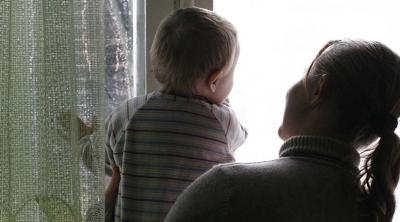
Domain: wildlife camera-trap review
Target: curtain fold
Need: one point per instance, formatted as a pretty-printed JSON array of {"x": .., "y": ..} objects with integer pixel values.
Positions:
[{"x": 51, "y": 105}]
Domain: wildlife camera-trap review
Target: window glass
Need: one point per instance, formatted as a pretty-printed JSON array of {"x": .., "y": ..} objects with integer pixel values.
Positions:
[{"x": 278, "y": 41}]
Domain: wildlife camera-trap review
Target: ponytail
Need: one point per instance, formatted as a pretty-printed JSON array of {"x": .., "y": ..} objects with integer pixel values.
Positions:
[
  {"x": 381, "y": 174},
  {"x": 364, "y": 80}
]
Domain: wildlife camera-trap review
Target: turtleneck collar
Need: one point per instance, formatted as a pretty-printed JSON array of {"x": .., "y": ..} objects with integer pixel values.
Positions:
[{"x": 321, "y": 147}]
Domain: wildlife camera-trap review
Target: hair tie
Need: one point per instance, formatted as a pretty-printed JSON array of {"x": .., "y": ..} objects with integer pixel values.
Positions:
[{"x": 383, "y": 122}]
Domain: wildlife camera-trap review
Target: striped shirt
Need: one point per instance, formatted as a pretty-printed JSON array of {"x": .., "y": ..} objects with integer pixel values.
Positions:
[{"x": 162, "y": 143}]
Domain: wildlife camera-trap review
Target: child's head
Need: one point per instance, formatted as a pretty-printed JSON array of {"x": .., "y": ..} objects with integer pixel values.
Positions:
[
  {"x": 195, "y": 52},
  {"x": 356, "y": 84}
]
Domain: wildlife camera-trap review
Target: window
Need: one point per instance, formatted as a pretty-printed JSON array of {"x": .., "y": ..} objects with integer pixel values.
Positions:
[{"x": 278, "y": 41}]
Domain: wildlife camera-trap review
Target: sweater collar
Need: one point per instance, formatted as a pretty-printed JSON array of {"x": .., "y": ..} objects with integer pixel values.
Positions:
[{"x": 321, "y": 147}]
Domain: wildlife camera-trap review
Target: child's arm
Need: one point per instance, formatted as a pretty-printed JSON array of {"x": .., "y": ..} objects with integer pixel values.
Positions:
[
  {"x": 111, "y": 194},
  {"x": 236, "y": 133}
]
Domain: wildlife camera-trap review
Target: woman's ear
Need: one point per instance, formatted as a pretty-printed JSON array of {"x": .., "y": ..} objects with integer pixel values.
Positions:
[
  {"x": 318, "y": 89},
  {"x": 213, "y": 79}
]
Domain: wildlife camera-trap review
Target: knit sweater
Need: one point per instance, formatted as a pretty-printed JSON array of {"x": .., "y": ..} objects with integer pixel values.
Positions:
[{"x": 315, "y": 179}]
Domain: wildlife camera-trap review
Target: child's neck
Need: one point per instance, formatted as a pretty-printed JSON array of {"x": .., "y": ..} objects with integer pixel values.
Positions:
[{"x": 186, "y": 94}]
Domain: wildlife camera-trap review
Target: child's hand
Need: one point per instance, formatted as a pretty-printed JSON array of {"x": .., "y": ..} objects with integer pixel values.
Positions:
[{"x": 116, "y": 175}]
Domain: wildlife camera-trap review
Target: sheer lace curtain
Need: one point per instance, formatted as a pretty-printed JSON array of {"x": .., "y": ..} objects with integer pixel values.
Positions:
[{"x": 56, "y": 60}]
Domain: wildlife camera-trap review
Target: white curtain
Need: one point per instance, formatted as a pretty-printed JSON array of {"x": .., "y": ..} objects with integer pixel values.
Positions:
[{"x": 64, "y": 64}]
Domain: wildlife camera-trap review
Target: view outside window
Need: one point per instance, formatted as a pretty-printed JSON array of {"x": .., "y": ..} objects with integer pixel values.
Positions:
[
  {"x": 119, "y": 21},
  {"x": 278, "y": 41}
]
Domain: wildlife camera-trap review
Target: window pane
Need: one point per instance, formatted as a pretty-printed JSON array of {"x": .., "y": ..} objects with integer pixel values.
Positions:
[{"x": 278, "y": 41}]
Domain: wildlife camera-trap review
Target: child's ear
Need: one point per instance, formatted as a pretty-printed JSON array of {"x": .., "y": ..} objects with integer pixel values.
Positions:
[
  {"x": 319, "y": 89},
  {"x": 213, "y": 79}
]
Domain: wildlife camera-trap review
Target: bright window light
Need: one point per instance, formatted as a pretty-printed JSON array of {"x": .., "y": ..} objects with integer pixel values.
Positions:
[{"x": 278, "y": 40}]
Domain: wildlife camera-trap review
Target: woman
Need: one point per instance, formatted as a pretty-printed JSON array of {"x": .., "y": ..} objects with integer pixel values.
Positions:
[{"x": 347, "y": 103}]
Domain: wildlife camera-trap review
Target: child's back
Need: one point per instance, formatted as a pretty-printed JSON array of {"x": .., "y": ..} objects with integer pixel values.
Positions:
[{"x": 168, "y": 142}]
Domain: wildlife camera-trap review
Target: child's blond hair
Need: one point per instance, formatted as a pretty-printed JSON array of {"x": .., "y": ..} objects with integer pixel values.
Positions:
[{"x": 189, "y": 45}]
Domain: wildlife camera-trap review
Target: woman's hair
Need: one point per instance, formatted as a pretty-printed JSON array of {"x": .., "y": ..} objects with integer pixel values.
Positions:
[
  {"x": 189, "y": 45},
  {"x": 363, "y": 78}
]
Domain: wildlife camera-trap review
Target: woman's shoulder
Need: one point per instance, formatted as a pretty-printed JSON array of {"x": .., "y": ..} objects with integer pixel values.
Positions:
[
  {"x": 221, "y": 184},
  {"x": 240, "y": 175},
  {"x": 252, "y": 168}
]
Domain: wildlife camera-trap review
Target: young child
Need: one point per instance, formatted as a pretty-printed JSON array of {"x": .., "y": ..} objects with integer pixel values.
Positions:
[{"x": 163, "y": 141}]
